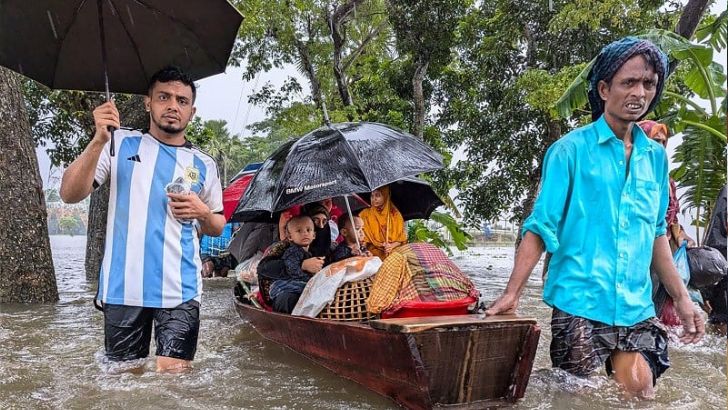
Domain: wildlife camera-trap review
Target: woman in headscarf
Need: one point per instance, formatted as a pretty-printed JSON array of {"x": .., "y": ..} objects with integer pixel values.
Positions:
[{"x": 383, "y": 224}]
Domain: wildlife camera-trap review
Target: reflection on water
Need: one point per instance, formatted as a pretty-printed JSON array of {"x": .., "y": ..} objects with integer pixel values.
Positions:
[{"x": 52, "y": 357}]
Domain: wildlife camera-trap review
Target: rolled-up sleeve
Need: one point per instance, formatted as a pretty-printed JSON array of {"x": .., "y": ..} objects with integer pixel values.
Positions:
[{"x": 556, "y": 181}]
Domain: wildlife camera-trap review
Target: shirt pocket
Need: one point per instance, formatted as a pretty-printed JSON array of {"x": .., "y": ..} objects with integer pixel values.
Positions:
[{"x": 646, "y": 200}]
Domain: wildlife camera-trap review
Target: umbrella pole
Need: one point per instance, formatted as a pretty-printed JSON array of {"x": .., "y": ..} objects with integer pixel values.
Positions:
[
  {"x": 100, "y": 9},
  {"x": 351, "y": 219}
]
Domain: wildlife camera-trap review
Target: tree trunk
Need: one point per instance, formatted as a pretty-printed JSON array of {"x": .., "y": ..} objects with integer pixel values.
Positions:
[
  {"x": 96, "y": 231},
  {"x": 26, "y": 264},
  {"x": 689, "y": 20},
  {"x": 336, "y": 23},
  {"x": 418, "y": 128},
  {"x": 310, "y": 72},
  {"x": 690, "y": 17}
]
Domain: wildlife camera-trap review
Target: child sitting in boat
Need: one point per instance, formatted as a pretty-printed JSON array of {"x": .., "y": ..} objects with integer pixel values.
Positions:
[
  {"x": 349, "y": 246},
  {"x": 383, "y": 224},
  {"x": 298, "y": 263}
]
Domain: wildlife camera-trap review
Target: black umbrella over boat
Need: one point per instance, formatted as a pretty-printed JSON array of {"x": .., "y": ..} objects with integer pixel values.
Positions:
[
  {"x": 115, "y": 45},
  {"x": 334, "y": 160},
  {"x": 413, "y": 197}
]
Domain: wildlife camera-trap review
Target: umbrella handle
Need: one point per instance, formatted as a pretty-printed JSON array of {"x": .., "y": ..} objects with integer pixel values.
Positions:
[
  {"x": 111, "y": 148},
  {"x": 100, "y": 10},
  {"x": 351, "y": 219}
]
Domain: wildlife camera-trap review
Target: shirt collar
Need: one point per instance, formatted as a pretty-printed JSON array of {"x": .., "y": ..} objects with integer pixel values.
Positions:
[{"x": 639, "y": 138}]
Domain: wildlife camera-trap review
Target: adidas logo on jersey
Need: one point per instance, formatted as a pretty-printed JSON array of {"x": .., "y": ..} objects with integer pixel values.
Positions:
[{"x": 135, "y": 158}]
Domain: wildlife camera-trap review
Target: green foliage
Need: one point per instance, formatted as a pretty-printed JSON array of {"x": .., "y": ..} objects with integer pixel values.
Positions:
[
  {"x": 230, "y": 151},
  {"x": 702, "y": 169},
  {"x": 513, "y": 59},
  {"x": 426, "y": 30},
  {"x": 594, "y": 15},
  {"x": 543, "y": 90},
  {"x": 68, "y": 225},
  {"x": 62, "y": 121},
  {"x": 714, "y": 31},
  {"x": 420, "y": 230},
  {"x": 576, "y": 94}
]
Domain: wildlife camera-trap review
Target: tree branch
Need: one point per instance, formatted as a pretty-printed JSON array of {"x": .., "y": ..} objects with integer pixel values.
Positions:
[{"x": 356, "y": 53}]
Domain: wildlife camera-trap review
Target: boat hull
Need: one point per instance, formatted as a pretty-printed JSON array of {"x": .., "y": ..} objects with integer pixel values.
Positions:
[{"x": 473, "y": 364}]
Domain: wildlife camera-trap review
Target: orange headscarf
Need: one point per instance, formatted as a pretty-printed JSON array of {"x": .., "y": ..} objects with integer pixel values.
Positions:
[
  {"x": 652, "y": 128},
  {"x": 383, "y": 225}
]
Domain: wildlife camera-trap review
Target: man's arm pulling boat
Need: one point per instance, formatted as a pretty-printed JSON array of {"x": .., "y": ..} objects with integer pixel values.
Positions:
[{"x": 527, "y": 256}]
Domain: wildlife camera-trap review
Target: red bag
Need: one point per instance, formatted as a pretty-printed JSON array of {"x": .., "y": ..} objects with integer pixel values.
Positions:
[{"x": 669, "y": 316}]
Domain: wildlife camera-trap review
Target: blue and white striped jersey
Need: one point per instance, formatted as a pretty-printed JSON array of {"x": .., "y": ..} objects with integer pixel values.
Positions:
[{"x": 151, "y": 259}]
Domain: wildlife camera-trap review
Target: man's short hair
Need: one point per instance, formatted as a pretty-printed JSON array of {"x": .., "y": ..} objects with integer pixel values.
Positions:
[{"x": 172, "y": 73}]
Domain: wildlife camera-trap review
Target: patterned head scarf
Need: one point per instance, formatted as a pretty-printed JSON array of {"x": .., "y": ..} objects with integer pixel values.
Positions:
[{"x": 612, "y": 58}]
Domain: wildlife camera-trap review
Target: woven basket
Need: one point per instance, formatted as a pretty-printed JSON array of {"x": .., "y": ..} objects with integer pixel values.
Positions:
[{"x": 350, "y": 302}]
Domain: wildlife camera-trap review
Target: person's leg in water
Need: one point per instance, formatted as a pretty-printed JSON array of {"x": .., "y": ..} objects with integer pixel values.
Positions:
[
  {"x": 631, "y": 371},
  {"x": 176, "y": 331},
  {"x": 127, "y": 333},
  {"x": 634, "y": 356}
]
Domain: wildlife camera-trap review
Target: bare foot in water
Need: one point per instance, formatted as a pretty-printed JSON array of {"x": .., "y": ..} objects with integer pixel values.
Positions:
[{"x": 172, "y": 365}]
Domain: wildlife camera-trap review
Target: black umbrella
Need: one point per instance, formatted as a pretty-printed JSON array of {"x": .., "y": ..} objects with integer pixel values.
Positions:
[
  {"x": 115, "y": 45},
  {"x": 413, "y": 197},
  {"x": 334, "y": 160}
]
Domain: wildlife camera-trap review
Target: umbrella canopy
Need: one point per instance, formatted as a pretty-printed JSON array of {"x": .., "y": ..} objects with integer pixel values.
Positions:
[
  {"x": 60, "y": 44},
  {"x": 232, "y": 194},
  {"x": 413, "y": 197},
  {"x": 334, "y": 160}
]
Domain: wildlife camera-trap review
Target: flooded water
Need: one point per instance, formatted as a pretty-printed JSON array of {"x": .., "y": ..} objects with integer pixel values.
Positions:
[{"x": 52, "y": 357}]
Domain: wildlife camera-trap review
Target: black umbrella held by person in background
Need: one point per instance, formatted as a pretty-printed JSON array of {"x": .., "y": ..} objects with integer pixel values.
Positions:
[
  {"x": 115, "y": 45},
  {"x": 334, "y": 160}
]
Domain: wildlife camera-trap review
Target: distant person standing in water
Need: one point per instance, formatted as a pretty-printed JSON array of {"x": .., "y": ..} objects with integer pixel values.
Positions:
[
  {"x": 601, "y": 214},
  {"x": 163, "y": 190}
]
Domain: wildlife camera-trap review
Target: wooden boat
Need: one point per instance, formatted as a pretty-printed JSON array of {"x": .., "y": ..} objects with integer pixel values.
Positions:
[{"x": 465, "y": 361}]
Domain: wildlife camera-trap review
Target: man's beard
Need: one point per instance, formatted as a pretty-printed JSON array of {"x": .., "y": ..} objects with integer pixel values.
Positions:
[{"x": 170, "y": 129}]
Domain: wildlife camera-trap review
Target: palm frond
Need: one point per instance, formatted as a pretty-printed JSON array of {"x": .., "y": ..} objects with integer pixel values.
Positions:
[{"x": 575, "y": 96}]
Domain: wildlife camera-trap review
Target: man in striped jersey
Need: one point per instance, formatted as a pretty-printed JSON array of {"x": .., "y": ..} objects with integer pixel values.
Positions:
[{"x": 150, "y": 276}]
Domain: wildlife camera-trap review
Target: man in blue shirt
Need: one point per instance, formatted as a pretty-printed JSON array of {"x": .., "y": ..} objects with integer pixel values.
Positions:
[{"x": 601, "y": 214}]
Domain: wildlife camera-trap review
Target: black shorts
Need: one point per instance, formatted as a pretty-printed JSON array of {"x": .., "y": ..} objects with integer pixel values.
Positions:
[
  {"x": 128, "y": 331},
  {"x": 580, "y": 346}
]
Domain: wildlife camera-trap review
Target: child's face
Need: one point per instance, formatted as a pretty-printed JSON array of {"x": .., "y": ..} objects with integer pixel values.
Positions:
[
  {"x": 351, "y": 234},
  {"x": 301, "y": 232}
]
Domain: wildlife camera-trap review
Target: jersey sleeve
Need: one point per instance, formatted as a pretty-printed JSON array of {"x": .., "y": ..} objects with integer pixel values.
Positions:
[
  {"x": 103, "y": 167},
  {"x": 211, "y": 193}
]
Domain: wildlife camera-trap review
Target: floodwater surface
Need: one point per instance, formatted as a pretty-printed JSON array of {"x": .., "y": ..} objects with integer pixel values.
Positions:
[{"x": 52, "y": 357}]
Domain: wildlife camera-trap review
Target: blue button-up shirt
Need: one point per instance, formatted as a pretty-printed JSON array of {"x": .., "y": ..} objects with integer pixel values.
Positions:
[{"x": 600, "y": 219}]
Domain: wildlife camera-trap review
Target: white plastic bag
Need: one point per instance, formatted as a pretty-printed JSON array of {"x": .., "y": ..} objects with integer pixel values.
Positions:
[
  {"x": 321, "y": 288},
  {"x": 247, "y": 270}
]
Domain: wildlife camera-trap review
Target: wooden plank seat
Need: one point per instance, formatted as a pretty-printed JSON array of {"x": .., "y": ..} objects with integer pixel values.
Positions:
[{"x": 419, "y": 324}]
